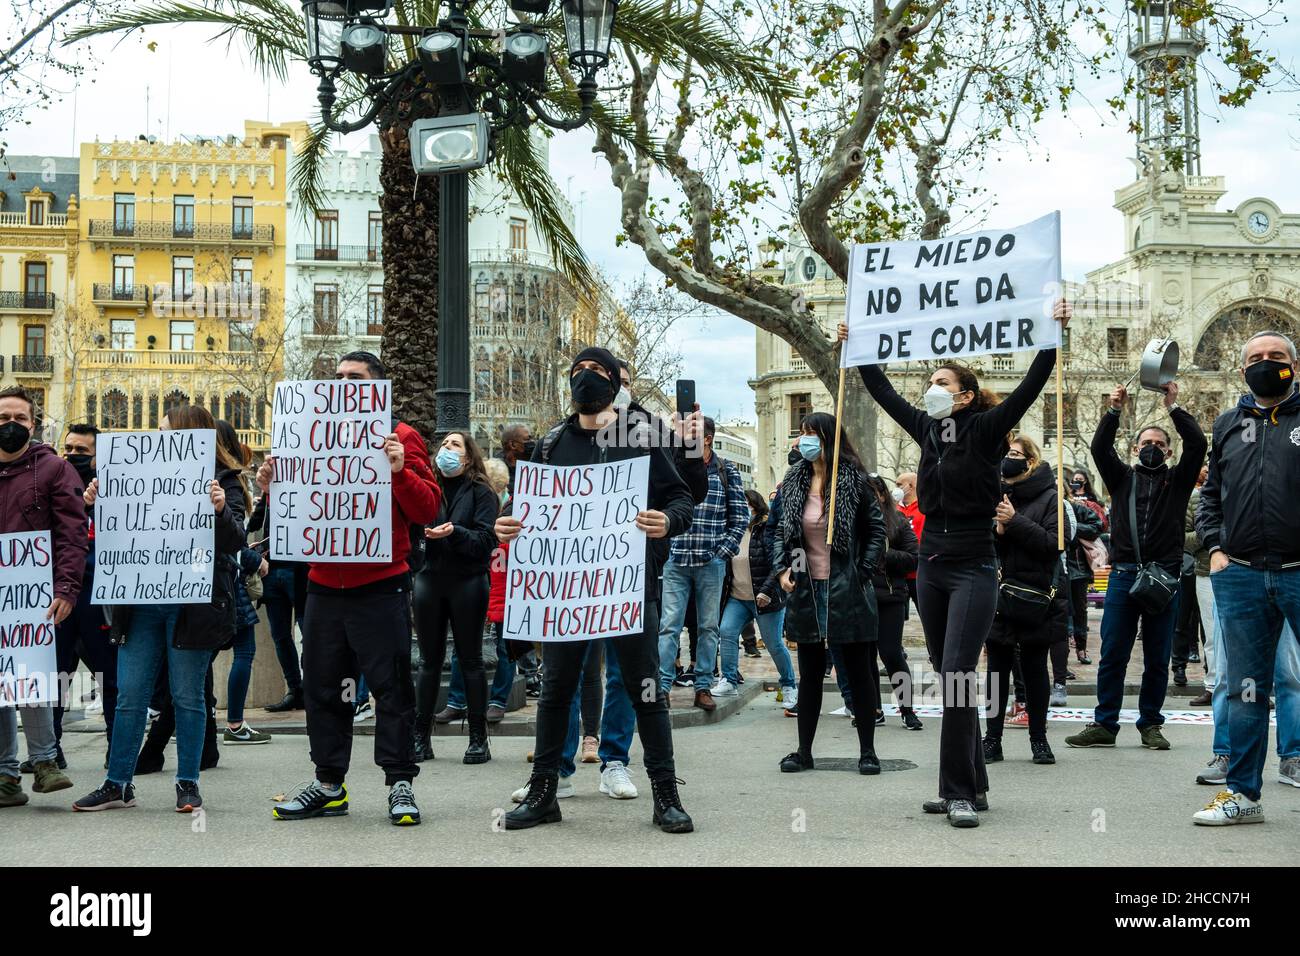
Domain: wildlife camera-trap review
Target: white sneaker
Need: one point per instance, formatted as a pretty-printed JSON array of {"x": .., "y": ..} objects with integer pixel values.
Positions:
[
  {"x": 94, "y": 707},
  {"x": 364, "y": 712},
  {"x": 616, "y": 782},
  {"x": 1228, "y": 808},
  {"x": 564, "y": 789},
  {"x": 725, "y": 688},
  {"x": 791, "y": 696}
]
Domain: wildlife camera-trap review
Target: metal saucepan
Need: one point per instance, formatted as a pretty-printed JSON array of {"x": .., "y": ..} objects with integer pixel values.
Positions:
[{"x": 1159, "y": 365}]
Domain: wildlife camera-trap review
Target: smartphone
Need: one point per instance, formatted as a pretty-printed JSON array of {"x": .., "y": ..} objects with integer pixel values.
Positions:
[{"x": 685, "y": 396}]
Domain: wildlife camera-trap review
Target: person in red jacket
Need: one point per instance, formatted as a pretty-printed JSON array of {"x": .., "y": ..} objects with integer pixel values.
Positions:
[{"x": 359, "y": 615}]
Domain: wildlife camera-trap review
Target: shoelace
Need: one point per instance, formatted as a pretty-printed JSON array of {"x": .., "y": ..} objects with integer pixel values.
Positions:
[
  {"x": 665, "y": 791},
  {"x": 401, "y": 793},
  {"x": 1221, "y": 799},
  {"x": 537, "y": 792},
  {"x": 961, "y": 805}
]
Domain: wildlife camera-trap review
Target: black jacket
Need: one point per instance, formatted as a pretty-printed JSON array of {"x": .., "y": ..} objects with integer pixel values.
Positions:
[
  {"x": 899, "y": 560},
  {"x": 958, "y": 484},
  {"x": 761, "y": 569},
  {"x": 1087, "y": 528},
  {"x": 472, "y": 508},
  {"x": 1162, "y": 495},
  {"x": 1028, "y": 557},
  {"x": 858, "y": 543},
  {"x": 1248, "y": 505},
  {"x": 206, "y": 627}
]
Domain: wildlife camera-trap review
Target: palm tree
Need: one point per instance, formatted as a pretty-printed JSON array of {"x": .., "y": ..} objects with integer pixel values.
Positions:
[{"x": 274, "y": 34}]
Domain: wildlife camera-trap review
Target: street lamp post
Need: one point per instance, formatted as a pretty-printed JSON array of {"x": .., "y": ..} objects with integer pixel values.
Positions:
[{"x": 486, "y": 81}]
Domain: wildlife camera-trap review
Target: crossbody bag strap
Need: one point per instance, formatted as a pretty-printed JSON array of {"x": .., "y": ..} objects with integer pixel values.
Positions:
[{"x": 1133, "y": 516}]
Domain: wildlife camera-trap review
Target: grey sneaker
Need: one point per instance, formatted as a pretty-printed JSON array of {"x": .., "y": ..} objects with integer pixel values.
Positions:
[
  {"x": 1215, "y": 773},
  {"x": 1153, "y": 739},
  {"x": 1289, "y": 771},
  {"x": 1059, "y": 696},
  {"x": 941, "y": 806},
  {"x": 961, "y": 814},
  {"x": 402, "y": 811}
]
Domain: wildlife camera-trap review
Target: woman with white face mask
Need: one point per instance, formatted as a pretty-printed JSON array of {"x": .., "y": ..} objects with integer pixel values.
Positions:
[{"x": 962, "y": 434}]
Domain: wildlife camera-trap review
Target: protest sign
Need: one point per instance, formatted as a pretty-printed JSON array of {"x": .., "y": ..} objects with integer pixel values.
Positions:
[
  {"x": 577, "y": 570},
  {"x": 154, "y": 523},
  {"x": 954, "y": 298},
  {"x": 331, "y": 497},
  {"x": 28, "y": 665}
]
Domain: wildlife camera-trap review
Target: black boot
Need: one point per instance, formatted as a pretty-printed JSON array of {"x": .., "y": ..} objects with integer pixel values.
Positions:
[
  {"x": 421, "y": 744},
  {"x": 668, "y": 813},
  {"x": 869, "y": 764},
  {"x": 540, "y": 806},
  {"x": 291, "y": 701},
  {"x": 477, "y": 751},
  {"x": 1180, "y": 675},
  {"x": 211, "y": 755}
]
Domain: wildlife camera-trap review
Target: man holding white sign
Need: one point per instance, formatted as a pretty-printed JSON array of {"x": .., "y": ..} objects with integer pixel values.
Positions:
[
  {"x": 42, "y": 559},
  {"x": 623, "y": 494},
  {"x": 963, "y": 296}
]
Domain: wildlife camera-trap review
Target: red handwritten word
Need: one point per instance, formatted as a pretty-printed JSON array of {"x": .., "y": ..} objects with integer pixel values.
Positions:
[
  {"x": 592, "y": 620},
  {"x": 24, "y": 552},
  {"x": 556, "y": 483},
  {"x": 341, "y": 542},
  {"x": 323, "y": 470},
  {"x": 350, "y": 398},
  {"x": 328, "y": 435},
  {"x": 342, "y": 506}
]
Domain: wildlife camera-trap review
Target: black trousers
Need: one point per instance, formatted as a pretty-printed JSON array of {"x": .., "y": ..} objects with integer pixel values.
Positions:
[
  {"x": 889, "y": 647},
  {"x": 957, "y": 602},
  {"x": 461, "y": 604},
  {"x": 638, "y": 658},
  {"x": 84, "y": 637},
  {"x": 593, "y": 690},
  {"x": 1079, "y": 613},
  {"x": 342, "y": 632},
  {"x": 1033, "y": 667},
  {"x": 864, "y": 684},
  {"x": 1187, "y": 631}
]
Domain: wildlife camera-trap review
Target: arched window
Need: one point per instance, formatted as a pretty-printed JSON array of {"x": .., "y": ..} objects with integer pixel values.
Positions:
[
  {"x": 117, "y": 410},
  {"x": 482, "y": 375},
  {"x": 1220, "y": 346},
  {"x": 174, "y": 399},
  {"x": 809, "y": 269},
  {"x": 518, "y": 379},
  {"x": 239, "y": 410}
]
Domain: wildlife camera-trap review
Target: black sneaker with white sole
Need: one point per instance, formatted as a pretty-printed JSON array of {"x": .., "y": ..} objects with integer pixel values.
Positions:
[
  {"x": 402, "y": 811},
  {"x": 108, "y": 796},
  {"x": 313, "y": 800},
  {"x": 187, "y": 796}
]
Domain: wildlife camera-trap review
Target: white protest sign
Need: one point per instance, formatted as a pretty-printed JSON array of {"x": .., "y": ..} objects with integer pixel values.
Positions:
[
  {"x": 952, "y": 298},
  {"x": 331, "y": 495},
  {"x": 154, "y": 523},
  {"x": 577, "y": 570},
  {"x": 28, "y": 665}
]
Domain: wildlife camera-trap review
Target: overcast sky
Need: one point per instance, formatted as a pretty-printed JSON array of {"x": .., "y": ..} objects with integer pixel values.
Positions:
[{"x": 191, "y": 85}]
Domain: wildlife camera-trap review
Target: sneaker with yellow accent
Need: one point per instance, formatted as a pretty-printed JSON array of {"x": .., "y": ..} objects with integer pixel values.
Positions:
[
  {"x": 313, "y": 800},
  {"x": 402, "y": 811},
  {"x": 1227, "y": 808}
]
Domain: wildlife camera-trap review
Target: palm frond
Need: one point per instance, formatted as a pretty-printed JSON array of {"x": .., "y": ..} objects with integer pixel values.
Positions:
[{"x": 305, "y": 184}]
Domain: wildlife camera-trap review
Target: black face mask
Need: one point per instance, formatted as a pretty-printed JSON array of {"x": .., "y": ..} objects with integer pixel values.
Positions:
[
  {"x": 529, "y": 447},
  {"x": 1269, "y": 379},
  {"x": 1151, "y": 457},
  {"x": 1077, "y": 487},
  {"x": 14, "y": 437},
  {"x": 591, "y": 389},
  {"x": 1014, "y": 467},
  {"x": 794, "y": 457},
  {"x": 84, "y": 465}
]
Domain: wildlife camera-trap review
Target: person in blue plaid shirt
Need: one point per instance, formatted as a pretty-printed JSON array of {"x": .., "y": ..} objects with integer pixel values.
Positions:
[{"x": 697, "y": 564}]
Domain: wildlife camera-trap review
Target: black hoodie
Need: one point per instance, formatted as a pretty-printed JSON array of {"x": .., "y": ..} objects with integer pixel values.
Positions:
[{"x": 1027, "y": 548}]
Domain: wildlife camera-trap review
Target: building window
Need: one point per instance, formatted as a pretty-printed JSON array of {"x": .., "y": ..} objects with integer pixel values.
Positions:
[
  {"x": 800, "y": 407},
  {"x": 182, "y": 338},
  {"x": 36, "y": 212},
  {"x": 325, "y": 309},
  {"x": 123, "y": 276},
  {"x": 375, "y": 237},
  {"x": 123, "y": 214},
  {"x": 518, "y": 233},
  {"x": 175, "y": 398},
  {"x": 323, "y": 366},
  {"x": 182, "y": 278},
  {"x": 239, "y": 410},
  {"x": 1068, "y": 418},
  {"x": 809, "y": 269},
  {"x": 35, "y": 275},
  {"x": 241, "y": 223},
  {"x": 375, "y": 310},
  {"x": 33, "y": 340},
  {"x": 122, "y": 334},
  {"x": 241, "y": 281},
  {"x": 183, "y": 217},
  {"x": 327, "y": 234},
  {"x": 115, "y": 410},
  {"x": 1117, "y": 345},
  {"x": 241, "y": 335}
]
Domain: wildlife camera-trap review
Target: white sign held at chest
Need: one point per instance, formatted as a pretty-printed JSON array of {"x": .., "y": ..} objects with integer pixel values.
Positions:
[
  {"x": 953, "y": 298},
  {"x": 577, "y": 570},
  {"x": 28, "y": 663}
]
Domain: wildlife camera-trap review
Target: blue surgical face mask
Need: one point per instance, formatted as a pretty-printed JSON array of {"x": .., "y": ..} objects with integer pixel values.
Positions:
[
  {"x": 449, "y": 462},
  {"x": 810, "y": 446}
]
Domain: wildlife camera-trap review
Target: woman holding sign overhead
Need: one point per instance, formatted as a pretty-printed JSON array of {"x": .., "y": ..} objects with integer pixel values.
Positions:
[
  {"x": 186, "y": 634},
  {"x": 963, "y": 437},
  {"x": 451, "y": 590}
]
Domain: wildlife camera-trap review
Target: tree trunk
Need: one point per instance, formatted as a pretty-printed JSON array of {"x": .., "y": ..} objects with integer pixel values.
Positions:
[
  {"x": 860, "y": 418},
  {"x": 410, "y": 338}
]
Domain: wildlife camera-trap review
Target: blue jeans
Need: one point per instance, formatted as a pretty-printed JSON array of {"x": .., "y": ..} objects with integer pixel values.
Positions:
[
  {"x": 148, "y": 640},
  {"x": 502, "y": 680},
  {"x": 241, "y": 671},
  {"x": 1119, "y": 626},
  {"x": 277, "y": 595},
  {"x": 679, "y": 582},
  {"x": 1286, "y": 687},
  {"x": 735, "y": 616},
  {"x": 1254, "y": 608},
  {"x": 617, "y": 720}
]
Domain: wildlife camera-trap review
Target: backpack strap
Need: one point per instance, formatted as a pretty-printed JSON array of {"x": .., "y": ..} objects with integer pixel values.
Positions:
[{"x": 549, "y": 440}]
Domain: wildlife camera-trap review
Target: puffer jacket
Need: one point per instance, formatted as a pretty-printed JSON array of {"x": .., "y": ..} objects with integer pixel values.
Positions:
[
  {"x": 761, "y": 571},
  {"x": 898, "y": 564},
  {"x": 1028, "y": 557},
  {"x": 1088, "y": 527}
]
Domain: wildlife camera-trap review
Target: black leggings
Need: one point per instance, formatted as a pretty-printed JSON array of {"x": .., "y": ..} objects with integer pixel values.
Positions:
[
  {"x": 889, "y": 646},
  {"x": 1033, "y": 665},
  {"x": 862, "y": 686},
  {"x": 957, "y": 600},
  {"x": 462, "y": 603},
  {"x": 593, "y": 689},
  {"x": 1079, "y": 611}
]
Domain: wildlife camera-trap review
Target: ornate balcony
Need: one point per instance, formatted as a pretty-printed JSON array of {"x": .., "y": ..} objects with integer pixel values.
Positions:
[{"x": 28, "y": 301}]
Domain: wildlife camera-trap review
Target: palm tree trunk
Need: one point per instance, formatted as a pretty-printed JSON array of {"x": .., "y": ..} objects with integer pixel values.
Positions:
[{"x": 410, "y": 339}]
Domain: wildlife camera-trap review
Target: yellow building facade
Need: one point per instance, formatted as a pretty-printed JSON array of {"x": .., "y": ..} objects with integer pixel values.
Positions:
[{"x": 180, "y": 280}]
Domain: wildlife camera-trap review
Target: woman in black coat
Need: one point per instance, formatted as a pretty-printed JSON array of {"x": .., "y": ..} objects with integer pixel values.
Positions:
[
  {"x": 830, "y": 597},
  {"x": 890, "y": 581},
  {"x": 451, "y": 589},
  {"x": 1029, "y": 560}
]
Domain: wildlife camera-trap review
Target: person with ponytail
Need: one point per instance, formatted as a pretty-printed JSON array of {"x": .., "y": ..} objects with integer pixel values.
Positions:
[
  {"x": 830, "y": 598},
  {"x": 962, "y": 433}
]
